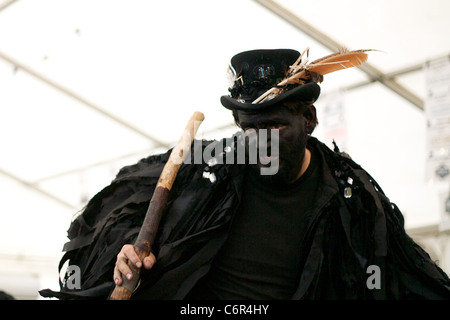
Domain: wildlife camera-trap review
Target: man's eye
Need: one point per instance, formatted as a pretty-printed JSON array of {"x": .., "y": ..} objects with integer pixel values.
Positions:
[
  {"x": 278, "y": 126},
  {"x": 269, "y": 126}
]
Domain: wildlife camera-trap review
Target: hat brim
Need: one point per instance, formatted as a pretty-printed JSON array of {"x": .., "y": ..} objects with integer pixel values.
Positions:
[{"x": 307, "y": 92}]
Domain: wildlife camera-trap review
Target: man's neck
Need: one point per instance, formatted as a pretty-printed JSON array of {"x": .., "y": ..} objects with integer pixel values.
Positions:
[{"x": 305, "y": 164}]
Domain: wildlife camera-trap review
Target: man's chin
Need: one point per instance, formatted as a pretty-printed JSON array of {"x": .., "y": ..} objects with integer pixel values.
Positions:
[{"x": 268, "y": 160}]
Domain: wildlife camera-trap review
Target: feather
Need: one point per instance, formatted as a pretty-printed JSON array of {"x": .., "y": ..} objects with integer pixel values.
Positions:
[
  {"x": 300, "y": 72},
  {"x": 341, "y": 51},
  {"x": 338, "y": 61}
]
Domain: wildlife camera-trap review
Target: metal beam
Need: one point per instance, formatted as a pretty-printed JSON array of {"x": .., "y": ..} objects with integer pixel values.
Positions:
[
  {"x": 143, "y": 152},
  {"x": 87, "y": 167},
  {"x": 82, "y": 100},
  {"x": 6, "y": 4},
  {"x": 390, "y": 75},
  {"x": 38, "y": 190},
  {"x": 331, "y": 44}
]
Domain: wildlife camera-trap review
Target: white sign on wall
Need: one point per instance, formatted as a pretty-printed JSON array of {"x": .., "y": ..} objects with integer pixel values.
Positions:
[
  {"x": 437, "y": 111},
  {"x": 333, "y": 119}
]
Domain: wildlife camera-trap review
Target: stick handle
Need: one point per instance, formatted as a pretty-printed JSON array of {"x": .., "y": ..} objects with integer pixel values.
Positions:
[{"x": 156, "y": 208}]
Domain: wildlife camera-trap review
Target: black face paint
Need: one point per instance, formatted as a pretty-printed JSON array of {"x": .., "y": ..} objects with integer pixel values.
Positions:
[{"x": 292, "y": 133}]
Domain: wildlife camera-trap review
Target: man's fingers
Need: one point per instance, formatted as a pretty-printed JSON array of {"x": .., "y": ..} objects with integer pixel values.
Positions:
[
  {"x": 131, "y": 255},
  {"x": 117, "y": 277},
  {"x": 126, "y": 254},
  {"x": 122, "y": 268},
  {"x": 149, "y": 261}
]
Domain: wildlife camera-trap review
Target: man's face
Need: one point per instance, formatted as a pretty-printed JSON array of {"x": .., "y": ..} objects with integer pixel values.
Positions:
[{"x": 292, "y": 139}]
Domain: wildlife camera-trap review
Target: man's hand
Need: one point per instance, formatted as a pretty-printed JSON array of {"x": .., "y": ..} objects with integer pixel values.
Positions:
[{"x": 128, "y": 253}]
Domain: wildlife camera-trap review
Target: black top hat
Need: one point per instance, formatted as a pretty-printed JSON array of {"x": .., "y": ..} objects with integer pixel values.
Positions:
[{"x": 255, "y": 72}]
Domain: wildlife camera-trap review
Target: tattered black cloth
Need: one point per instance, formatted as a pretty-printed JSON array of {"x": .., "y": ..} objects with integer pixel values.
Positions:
[{"x": 354, "y": 227}]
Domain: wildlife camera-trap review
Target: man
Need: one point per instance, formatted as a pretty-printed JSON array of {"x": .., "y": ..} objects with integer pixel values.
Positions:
[{"x": 317, "y": 227}]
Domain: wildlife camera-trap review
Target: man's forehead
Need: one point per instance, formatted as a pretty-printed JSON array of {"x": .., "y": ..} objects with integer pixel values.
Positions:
[{"x": 259, "y": 115}]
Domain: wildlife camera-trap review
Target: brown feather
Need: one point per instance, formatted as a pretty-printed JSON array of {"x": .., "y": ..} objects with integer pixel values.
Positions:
[
  {"x": 338, "y": 61},
  {"x": 300, "y": 73},
  {"x": 341, "y": 51}
]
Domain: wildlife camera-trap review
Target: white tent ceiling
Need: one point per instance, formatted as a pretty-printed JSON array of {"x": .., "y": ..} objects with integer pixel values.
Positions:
[{"x": 89, "y": 86}]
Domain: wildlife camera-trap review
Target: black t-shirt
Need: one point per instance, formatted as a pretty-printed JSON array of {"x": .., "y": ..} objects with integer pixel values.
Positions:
[{"x": 261, "y": 257}]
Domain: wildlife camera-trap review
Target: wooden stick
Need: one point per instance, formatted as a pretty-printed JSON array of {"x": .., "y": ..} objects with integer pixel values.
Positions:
[{"x": 156, "y": 208}]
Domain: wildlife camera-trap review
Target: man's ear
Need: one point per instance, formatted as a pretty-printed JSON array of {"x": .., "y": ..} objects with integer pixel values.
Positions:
[
  {"x": 311, "y": 118},
  {"x": 236, "y": 118}
]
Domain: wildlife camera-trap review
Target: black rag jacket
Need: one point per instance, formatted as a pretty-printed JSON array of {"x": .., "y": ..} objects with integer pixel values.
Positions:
[{"x": 354, "y": 227}]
